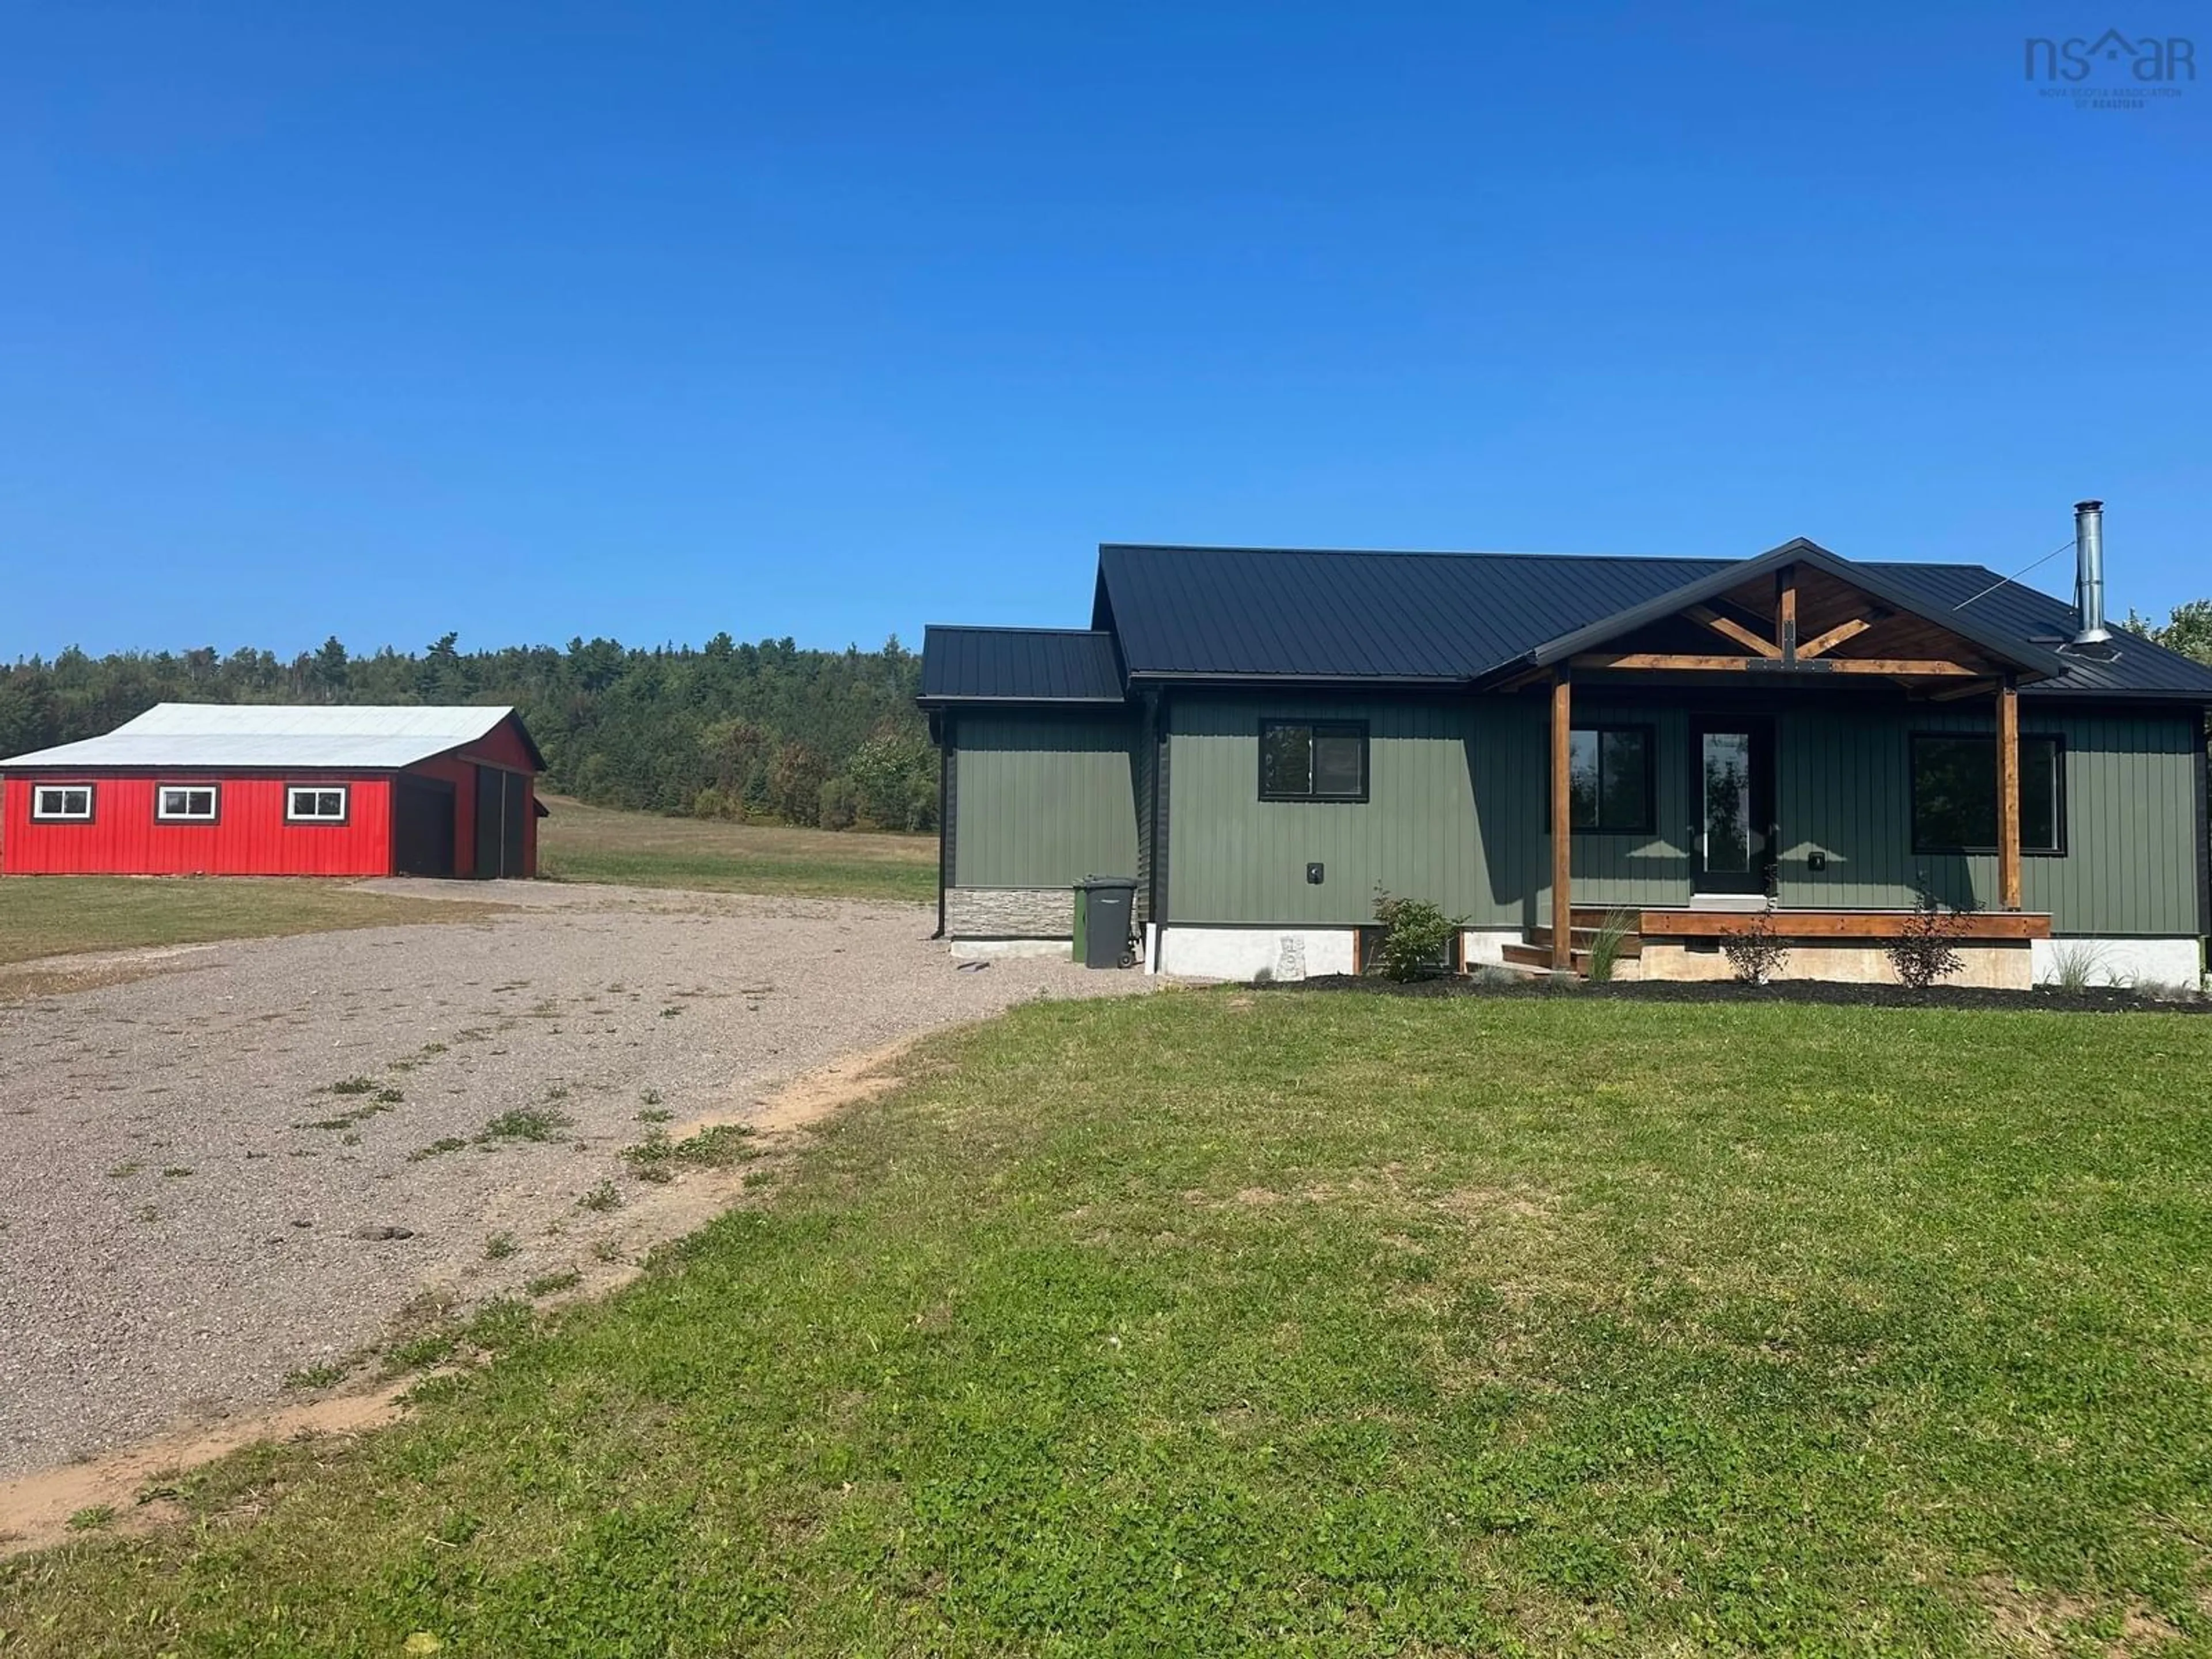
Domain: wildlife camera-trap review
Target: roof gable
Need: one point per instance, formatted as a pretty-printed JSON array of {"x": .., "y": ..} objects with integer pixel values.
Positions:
[{"x": 2005, "y": 648}]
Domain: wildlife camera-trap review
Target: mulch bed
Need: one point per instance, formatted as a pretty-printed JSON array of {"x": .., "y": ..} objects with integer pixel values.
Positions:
[{"x": 2100, "y": 1000}]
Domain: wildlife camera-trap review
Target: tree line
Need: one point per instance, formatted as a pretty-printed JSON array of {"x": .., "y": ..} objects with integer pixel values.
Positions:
[{"x": 765, "y": 732}]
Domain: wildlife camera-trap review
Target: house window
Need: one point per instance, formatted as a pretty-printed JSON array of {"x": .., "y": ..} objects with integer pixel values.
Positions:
[
  {"x": 186, "y": 803},
  {"x": 1609, "y": 780},
  {"x": 61, "y": 803},
  {"x": 1313, "y": 760},
  {"x": 315, "y": 803},
  {"x": 1954, "y": 795}
]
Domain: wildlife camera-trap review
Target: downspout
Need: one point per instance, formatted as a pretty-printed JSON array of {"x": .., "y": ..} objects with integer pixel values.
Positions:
[
  {"x": 941, "y": 728},
  {"x": 2203, "y": 856},
  {"x": 1154, "y": 721}
]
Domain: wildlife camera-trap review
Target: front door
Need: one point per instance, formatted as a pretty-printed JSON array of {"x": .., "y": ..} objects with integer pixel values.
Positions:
[{"x": 1734, "y": 839}]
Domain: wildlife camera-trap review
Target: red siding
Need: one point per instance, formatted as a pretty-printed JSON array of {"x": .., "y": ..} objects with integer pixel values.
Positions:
[
  {"x": 503, "y": 746},
  {"x": 249, "y": 838}
]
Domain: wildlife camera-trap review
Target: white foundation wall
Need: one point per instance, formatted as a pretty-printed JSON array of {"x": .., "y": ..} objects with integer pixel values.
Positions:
[
  {"x": 1247, "y": 953},
  {"x": 1484, "y": 947},
  {"x": 2121, "y": 961}
]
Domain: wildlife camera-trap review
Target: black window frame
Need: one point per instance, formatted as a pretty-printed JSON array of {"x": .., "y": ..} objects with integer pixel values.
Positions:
[
  {"x": 1648, "y": 824},
  {"x": 212, "y": 785},
  {"x": 344, "y": 792},
  {"x": 1317, "y": 727},
  {"x": 91, "y": 801},
  {"x": 2057, "y": 742}
]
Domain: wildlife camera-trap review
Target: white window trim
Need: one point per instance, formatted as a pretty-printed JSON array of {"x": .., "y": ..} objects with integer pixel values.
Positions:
[
  {"x": 39, "y": 815},
  {"x": 163, "y": 815},
  {"x": 344, "y": 792}
]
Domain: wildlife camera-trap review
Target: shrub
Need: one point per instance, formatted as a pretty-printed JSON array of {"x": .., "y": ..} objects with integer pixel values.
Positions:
[
  {"x": 1753, "y": 951},
  {"x": 1417, "y": 937},
  {"x": 1927, "y": 950}
]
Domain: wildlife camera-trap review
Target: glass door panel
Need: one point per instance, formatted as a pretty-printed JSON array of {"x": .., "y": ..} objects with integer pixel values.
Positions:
[{"x": 1727, "y": 796}]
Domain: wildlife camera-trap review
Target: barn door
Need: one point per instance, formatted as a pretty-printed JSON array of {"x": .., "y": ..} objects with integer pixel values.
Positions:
[
  {"x": 514, "y": 807},
  {"x": 422, "y": 828}
]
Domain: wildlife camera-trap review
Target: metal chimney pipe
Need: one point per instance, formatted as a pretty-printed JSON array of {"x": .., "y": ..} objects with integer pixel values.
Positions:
[{"x": 2089, "y": 573}]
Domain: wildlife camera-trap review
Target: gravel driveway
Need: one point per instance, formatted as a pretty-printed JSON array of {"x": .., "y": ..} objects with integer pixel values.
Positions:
[{"x": 206, "y": 1173}]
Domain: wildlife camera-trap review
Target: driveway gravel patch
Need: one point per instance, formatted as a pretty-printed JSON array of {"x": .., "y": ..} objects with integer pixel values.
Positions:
[{"x": 259, "y": 1167}]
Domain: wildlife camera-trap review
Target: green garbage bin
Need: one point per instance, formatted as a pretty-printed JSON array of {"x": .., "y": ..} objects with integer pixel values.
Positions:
[{"x": 1104, "y": 905}]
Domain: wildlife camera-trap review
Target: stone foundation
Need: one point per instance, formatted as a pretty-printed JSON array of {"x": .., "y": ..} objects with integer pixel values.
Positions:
[{"x": 1010, "y": 912}]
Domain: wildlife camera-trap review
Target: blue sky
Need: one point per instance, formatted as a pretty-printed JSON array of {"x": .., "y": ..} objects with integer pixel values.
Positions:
[{"x": 651, "y": 321}]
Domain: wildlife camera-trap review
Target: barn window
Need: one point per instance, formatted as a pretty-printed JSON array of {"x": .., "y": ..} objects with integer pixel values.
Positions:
[
  {"x": 315, "y": 803},
  {"x": 61, "y": 803},
  {"x": 186, "y": 803}
]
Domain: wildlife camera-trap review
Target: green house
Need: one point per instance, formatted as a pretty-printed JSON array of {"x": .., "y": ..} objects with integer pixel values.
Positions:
[{"x": 1265, "y": 739}]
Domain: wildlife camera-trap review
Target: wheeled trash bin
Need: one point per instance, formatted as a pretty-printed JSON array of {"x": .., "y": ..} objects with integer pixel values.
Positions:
[{"x": 1103, "y": 908}]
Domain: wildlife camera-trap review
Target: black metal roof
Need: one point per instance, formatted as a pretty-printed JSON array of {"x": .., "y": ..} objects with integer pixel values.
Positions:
[
  {"x": 1197, "y": 612},
  {"x": 1018, "y": 664},
  {"x": 2137, "y": 668},
  {"x": 1451, "y": 619},
  {"x": 1182, "y": 613}
]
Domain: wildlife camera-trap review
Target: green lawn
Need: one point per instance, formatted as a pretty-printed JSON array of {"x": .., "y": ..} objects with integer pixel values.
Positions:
[
  {"x": 596, "y": 843},
  {"x": 1222, "y": 1322},
  {"x": 58, "y": 915}
]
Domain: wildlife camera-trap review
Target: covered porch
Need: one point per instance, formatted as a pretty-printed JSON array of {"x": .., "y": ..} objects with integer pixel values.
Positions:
[{"x": 1793, "y": 668}]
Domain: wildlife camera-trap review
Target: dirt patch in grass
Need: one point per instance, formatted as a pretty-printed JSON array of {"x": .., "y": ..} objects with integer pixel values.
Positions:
[{"x": 35, "y": 1509}]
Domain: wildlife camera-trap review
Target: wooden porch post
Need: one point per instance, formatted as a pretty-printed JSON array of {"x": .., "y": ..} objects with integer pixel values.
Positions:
[
  {"x": 1563, "y": 910},
  {"x": 2008, "y": 795}
]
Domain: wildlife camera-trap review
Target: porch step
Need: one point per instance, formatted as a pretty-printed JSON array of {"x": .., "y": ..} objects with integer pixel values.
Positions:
[
  {"x": 1540, "y": 958},
  {"x": 1581, "y": 939}
]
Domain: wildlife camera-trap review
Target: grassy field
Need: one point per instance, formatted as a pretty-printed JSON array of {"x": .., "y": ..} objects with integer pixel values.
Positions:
[
  {"x": 1223, "y": 1322},
  {"x": 59, "y": 915},
  {"x": 594, "y": 844}
]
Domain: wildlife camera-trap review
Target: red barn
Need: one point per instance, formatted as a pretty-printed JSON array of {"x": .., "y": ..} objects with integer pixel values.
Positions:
[{"x": 237, "y": 789}]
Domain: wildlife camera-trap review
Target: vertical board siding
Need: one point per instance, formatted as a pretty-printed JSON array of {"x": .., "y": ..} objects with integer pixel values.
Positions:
[
  {"x": 1456, "y": 814},
  {"x": 250, "y": 837},
  {"x": 1044, "y": 800},
  {"x": 1844, "y": 787}
]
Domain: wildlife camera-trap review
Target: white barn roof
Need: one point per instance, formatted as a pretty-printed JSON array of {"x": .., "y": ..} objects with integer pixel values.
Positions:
[{"x": 249, "y": 735}]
